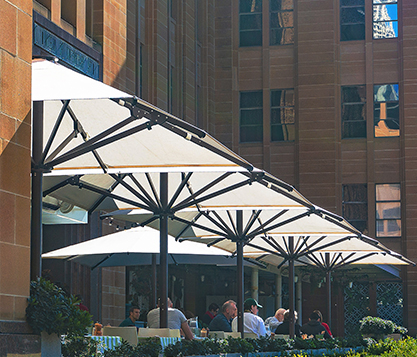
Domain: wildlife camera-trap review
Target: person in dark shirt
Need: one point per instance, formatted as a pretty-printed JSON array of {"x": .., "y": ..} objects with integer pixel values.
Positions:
[
  {"x": 326, "y": 326},
  {"x": 314, "y": 326},
  {"x": 284, "y": 327},
  {"x": 134, "y": 314},
  {"x": 210, "y": 314},
  {"x": 223, "y": 321}
]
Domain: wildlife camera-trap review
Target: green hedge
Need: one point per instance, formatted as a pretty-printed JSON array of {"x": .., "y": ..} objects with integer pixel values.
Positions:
[{"x": 150, "y": 347}]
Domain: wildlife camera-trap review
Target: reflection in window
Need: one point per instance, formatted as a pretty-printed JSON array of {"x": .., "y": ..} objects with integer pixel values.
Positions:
[
  {"x": 386, "y": 110},
  {"x": 250, "y": 22},
  {"x": 352, "y": 20},
  {"x": 385, "y": 19},
  {"x": 282, "y": 115},
  {"x": 355, "y": 206},
  {"x": 281, "y": 22},
  {"x": 388, "y": 210},
  {"x": 251, "y": 117},
  {"x": 353, "y": 112}
]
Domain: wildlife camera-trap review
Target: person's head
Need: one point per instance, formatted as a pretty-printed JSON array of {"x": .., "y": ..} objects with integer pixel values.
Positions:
[
  {"x": 229, "y": 309},
  {"x": 213, "y": 308},
  {"x": 169, "y": 302},
  {"x": 134, "y": 313},
  {"x": 279, "y": 314},
  {"x": 287, "y": 315},
  {"x": 314, "y": 316},
  {"x": 320, "y": 315},
  {"x": 251, "y": 305}
]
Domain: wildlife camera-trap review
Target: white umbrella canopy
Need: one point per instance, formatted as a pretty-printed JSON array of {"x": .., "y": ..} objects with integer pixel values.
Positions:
[
  {"x": 139, "y": 193},
  {"x": 128, "y": 134},
  {"x": 135, "y": 246}
]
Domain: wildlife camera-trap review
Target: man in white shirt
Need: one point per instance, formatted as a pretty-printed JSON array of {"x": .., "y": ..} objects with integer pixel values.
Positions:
[
  {"x": 176, "y": 320},
  {"x": 251, "y": 321}
]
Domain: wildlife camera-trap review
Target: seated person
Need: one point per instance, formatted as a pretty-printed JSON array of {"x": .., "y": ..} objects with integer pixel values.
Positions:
[
  {"x": 176, "y": 320},
  {"x": 252, "y": 323},
  {"x": 223, "y": 321},
  {"x": 210, "y": 314},
  {"x": 326, "y": 326},
  {"x": 275, "y": 320},
  {"x": 134, "y": 314},
  {"x": 314, "y": 327},
  {"x": 284, "y": 328}
]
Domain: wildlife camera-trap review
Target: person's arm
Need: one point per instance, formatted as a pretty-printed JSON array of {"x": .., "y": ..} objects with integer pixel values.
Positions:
[{"x": 187, "y": 331}]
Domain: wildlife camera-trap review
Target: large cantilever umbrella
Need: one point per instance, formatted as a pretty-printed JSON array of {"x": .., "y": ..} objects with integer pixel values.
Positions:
[
  {"x": 358, "y": 252},
  {"x": 136, "y": 246},
  {"x": 99, "y": 148}
]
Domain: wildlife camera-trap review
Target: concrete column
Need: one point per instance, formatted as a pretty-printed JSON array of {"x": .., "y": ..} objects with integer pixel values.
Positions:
[
  {"x": 299, "y": 299},
  {"x": 255, "y": 283},
  {"x": 278, "y": 292}
]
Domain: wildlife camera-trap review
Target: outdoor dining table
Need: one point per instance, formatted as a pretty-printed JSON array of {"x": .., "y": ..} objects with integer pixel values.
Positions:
[
  {"x": 110, "y": 342},
  {"x": 165, "y": 341},
  {"x": 107, "y": 342}
]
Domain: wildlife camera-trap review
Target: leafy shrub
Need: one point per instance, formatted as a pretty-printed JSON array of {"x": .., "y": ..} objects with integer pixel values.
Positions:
[
  {"x": 50, "y": 309},
  {"x": 79, "y": 346},
  {"x": 238, "y": 345},
  {"x": 400, "y": 329},
  {"x": 376, "y": 325},
  {"x": 268, "y": 344},
  {"x": 147, "y": 347}
]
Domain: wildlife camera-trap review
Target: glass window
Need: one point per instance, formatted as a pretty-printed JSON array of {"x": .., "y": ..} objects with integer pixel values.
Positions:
[
  {"x": 386, "y": 110},
  {"x": 251, "y": 117},
  {"x": 281, "y": 22},
  {"x": 282, "y": 115},
  {"x": 352, "y": 20},
  {"x": 388, "y": 210},
  {"x": 385, "y": 19},
  {"x": 250, "y": 22},
  {"x": 355, "y": 206},
  {"x": 353, "y": 112}
]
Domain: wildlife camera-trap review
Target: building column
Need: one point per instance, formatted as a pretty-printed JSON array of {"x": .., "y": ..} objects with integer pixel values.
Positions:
[
  {"x": 278, "y": 290},
  {"x": 255, "y": 283}
]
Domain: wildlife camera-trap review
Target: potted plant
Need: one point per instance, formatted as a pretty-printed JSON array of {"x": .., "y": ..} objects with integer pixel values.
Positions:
[
  {"x": 376, "y": 327},
  {"x": 52, "y": 313}
]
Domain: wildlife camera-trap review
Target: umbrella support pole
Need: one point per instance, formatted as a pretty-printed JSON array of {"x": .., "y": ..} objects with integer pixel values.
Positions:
[
  {"x": 163, "y": 229},
  {"x": 37, "y": 178},
  {"x": 240, "y": 274},
  {"x": 154, "y": 297},
  {"x": 329, "y": 290},
  {"x": 291, "y": 286}
]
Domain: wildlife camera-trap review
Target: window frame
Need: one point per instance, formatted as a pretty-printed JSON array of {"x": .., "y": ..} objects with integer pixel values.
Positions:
[
  {"x": 346, "y": 204},
  {"x": 387, "y": 219},
  {"x": 271, "y": 29},
  {"x": 282, "y": 107},
  {"x": 351, "y": 24},
  {"x": 248, "y": 109},
  {"x": 375, "y": 103},
  {"x": 246, "y": 14},
  {"x": 395, "y": 21},
  {"x": 344, "y": 104}
]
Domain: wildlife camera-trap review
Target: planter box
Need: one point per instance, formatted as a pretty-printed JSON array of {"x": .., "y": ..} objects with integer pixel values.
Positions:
[{"x": 50, "y": 345}]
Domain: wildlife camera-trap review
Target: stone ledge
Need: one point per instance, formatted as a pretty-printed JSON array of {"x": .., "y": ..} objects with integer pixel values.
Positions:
[
  {"x": 20, "y": 344},
  {"x": 15, "y": 327}
]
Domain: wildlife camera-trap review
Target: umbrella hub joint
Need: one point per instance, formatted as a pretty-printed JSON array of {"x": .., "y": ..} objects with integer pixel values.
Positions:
[
  {"x": 41, "y": 168},
  {"x": 167, "y": 212},
  {"x": 75, "y": 181}
]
